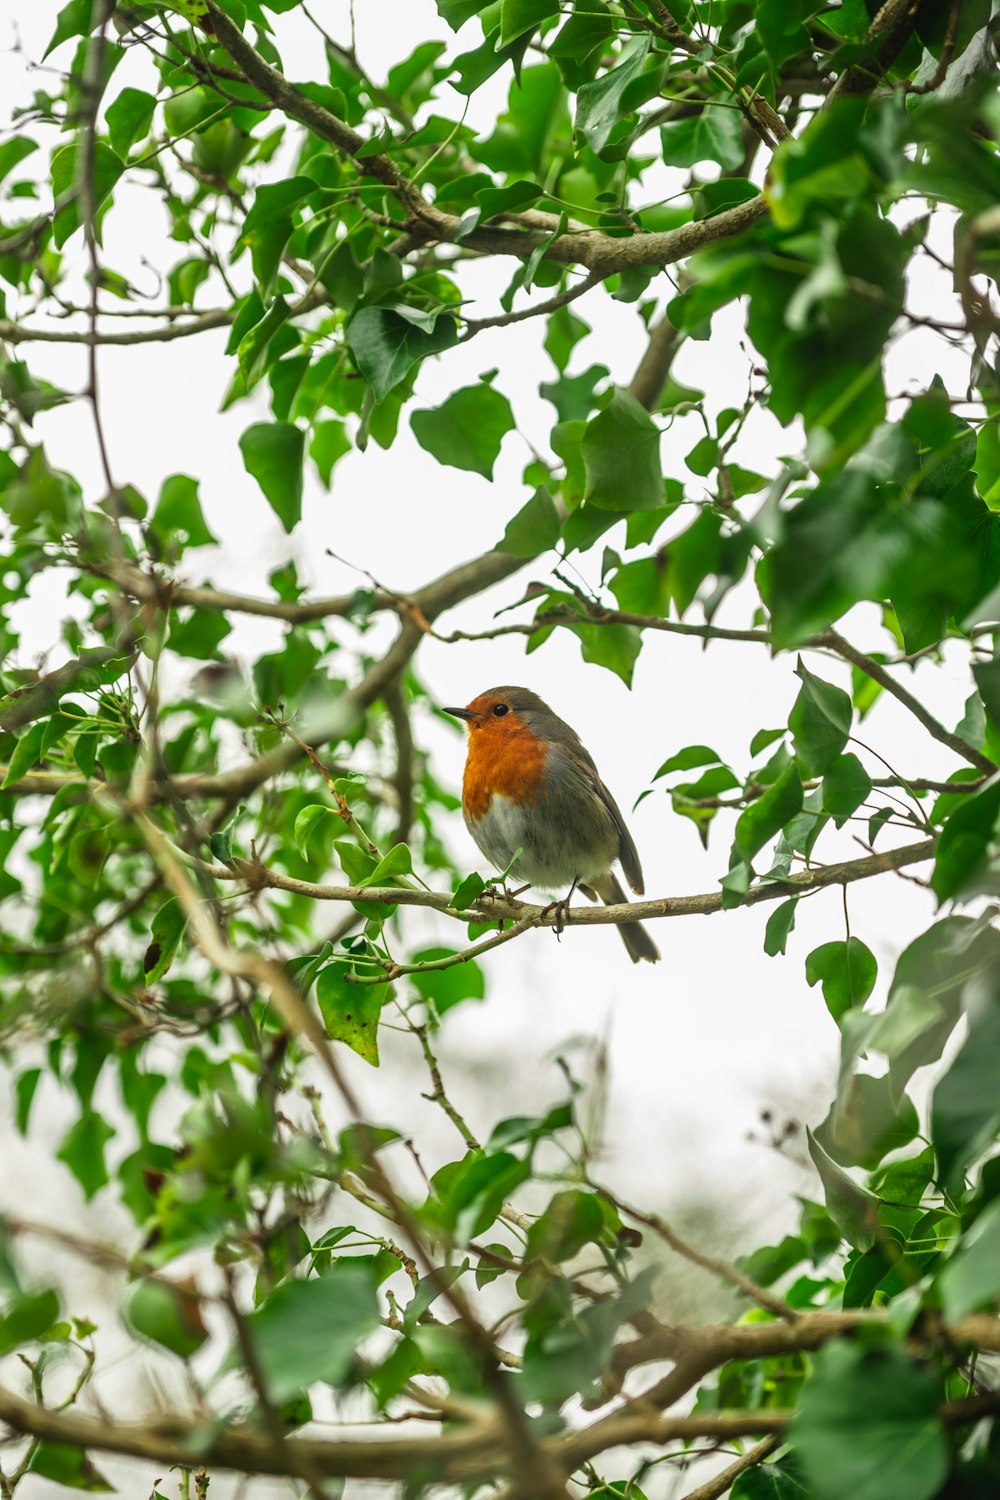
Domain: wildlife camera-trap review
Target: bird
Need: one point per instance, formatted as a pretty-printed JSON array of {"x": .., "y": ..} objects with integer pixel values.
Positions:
[{"x": 531, "y": 784}]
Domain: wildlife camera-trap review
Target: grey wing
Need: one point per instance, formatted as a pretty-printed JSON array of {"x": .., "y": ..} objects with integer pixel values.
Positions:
[{"x": 627, "y": 852}]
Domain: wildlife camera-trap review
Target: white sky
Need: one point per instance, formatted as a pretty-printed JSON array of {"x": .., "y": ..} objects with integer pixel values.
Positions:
[{"x": 701, "y": 1042}]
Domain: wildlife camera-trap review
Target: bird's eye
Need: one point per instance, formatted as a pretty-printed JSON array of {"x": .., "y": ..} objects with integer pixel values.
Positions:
[{"x": 500, "y": 709}]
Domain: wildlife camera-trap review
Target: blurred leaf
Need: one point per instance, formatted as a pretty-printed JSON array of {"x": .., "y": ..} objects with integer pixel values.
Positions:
[
  {"x": 169, "y": 1315},
  {"x": 64, "y": 1464},
  {"x": 965, "y": 1107},
  {"x": 447, "y": 987},
  {"x": 869, "y": 1427},
  {"x": 971, "y": 1277},
  {"x": 309, "y": 1331},
  {"x": 965, "y": 843},
  {"x": 852, "y": 1207},
  {"x": 165, "y": 933}
]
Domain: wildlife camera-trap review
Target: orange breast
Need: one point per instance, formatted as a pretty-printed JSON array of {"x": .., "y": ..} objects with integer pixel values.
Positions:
[{"x": 504, "y": 759}]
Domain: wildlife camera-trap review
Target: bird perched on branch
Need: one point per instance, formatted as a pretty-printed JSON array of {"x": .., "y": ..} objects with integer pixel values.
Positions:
[{"x": 530, "y": 784}]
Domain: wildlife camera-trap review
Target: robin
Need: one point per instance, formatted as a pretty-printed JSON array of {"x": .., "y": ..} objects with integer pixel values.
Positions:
[{"x": 531, "y": 785}]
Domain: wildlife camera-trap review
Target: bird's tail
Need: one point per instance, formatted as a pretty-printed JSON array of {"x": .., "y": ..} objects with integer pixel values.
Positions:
[{"x": 635, "y": 937}]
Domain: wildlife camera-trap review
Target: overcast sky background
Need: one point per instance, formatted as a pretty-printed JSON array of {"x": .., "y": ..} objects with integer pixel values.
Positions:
[{"x": 699, "y": 1044}]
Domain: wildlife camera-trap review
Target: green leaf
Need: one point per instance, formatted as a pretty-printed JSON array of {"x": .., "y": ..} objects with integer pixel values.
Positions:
[
  {"x": 868, "y": 1426},
  {"x": 534, "y": 529},
  {"x": 847, "y": 972},
  {"x": 351, "y": 1011},
  {"x": 200, "y": 635},
  {"x": 767, "y": 1482},
  {"x": 965, "y": 1108},
  {"x": 273, "y": 453},
  {"x": 867, "y": 1122},
  {"x": 307, "y": 820},
  {"x": 715, "y": 134},
  {"x": 268, "y": 226},
  {"x": 762, "y": 819},
  {"x": 25, "y": 1090},
  {"x": 330, "y": 441},
  {"x": 27, "y": 1318},
  {"x": 252, "y": 352},
  {"x": 820, "y": 722},
  {"x": 107, "y": 168},
  {"x": 65, "y": 1464},
  {"x": 309, "y": 1331},
  {"x": 573, "y": 1219},
  {"x": 621, "y": 456},
  {"x": 779, "y": 925},
  {"x": 599, "y": 104},
  {"x": 25, "y": 753},
  {"x": 966, "y": 841},
  {"x": 178, "y": 511},
  {"x": 73, "y": 20},
  {"x": 397, "y": 862},
  {"x": 82, "y": 1150},
  {"x": 386, "y": 341},
  {"x": 971, "y": 1278},
  {"x": 517, "y": 16},
  {"x": 689, "y": 759},
  {"x": 164, "y": 935},
  {"x": 447, "y": 987},
  {"x": 852, "y": 1207},
  {"x": 165, "y": 1314},
  {"x": 467, "y": 431},
  {"x": 13, "y": 152},
  {"x": 845, "y": 786},
  {"x": 128, "y": 119}
]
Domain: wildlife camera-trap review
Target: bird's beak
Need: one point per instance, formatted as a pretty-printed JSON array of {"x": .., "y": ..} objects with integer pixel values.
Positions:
[{"x": 461, "y": 713}]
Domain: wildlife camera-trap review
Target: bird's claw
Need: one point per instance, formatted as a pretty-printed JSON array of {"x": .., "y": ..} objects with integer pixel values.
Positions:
[{"x": 558, "y": 913}]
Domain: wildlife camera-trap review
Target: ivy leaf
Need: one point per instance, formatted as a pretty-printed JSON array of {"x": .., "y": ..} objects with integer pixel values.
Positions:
[
  {"x": 178, "y": 514},
  {"x": 868, "y": 1426},
  {"x": 965, "y": 843},
  {"x": 166, "y": 1314},
  {"x": 971, "y": 1277},
  {"x": 447, "y": 987},
  {"x": 66, "y": 1464},
  {"x": 267, "y": 227},
  {"x": 307, "y": 820},
  {"x": 715, "y": 134},
  {"x": 128, "y": 119},
  {"x": 845, "y": 786},
  {"x": 164, "y": 935},
  {"x": 846, "y": 971},
  {"x": 535, "y": 528},
  {"x": 309, "y": 1331},
  {"x": 852, "y": 1207},
  {"x": 107, "y": 168},
  {"x": 599, "y": 104},
  {"x": 765, "y": 817},
  {"x": 386, "y": 341},
  {"x": 273, "y": 453},
  {"x": 820, "y": 721},
  {"x": 965, "y": 1108},
  {"x": 467, "y": 431},
  {"x": 351, "y": 1011},
  {"x": 82, "y": 1150},
  {"x": 621, "y": 456}
]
